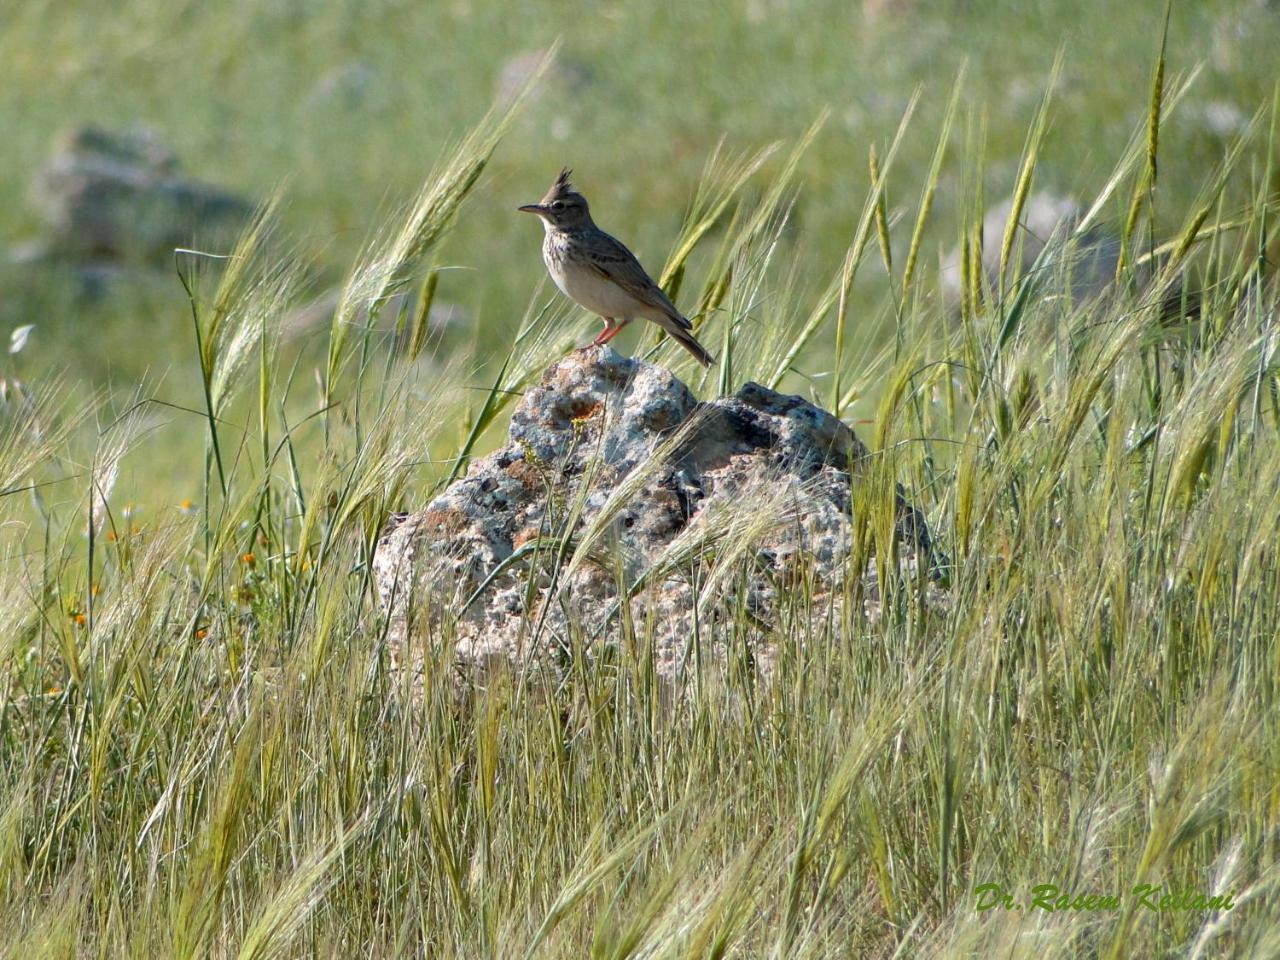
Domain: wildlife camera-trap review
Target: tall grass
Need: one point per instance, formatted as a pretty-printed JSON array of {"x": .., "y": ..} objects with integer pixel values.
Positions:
[{"x": 204, "y": 750}]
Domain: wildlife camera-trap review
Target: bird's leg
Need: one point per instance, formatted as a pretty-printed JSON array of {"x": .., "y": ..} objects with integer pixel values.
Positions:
[{"x": 608, "y": 331}]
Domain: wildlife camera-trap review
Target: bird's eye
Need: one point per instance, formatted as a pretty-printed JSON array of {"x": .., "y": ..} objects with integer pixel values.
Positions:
[{"x": 557, "y": 205}]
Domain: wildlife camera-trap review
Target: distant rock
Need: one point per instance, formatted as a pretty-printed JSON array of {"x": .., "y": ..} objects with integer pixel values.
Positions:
[
  {"x": 1044, "y": 214},
  {"x": 89, "y": 280},
  {"x": 1085, "y": 268},
  {"x": 119, "y": 196},
  {"x": 759, "y": 472},
  {"x": 1090, "y": 270}
]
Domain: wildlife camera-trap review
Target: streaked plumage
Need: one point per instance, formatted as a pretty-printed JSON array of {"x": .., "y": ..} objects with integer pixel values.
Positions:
[{"x": 600, "y": 273}]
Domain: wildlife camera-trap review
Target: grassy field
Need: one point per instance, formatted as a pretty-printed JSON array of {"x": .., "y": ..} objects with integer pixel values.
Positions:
[
  {"x": 203, "y": 749},
  {"x": 349, "y": 105}
]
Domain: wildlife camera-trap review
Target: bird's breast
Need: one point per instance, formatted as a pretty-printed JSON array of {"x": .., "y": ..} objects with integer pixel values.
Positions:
[{"x": 585, "y": 285}]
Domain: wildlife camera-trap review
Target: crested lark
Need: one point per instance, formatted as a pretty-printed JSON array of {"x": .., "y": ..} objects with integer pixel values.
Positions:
[{"x": 598, "y": 272}]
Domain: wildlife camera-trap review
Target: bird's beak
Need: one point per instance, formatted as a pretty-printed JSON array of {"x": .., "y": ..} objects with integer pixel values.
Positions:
[{"x": 537, "y": 208}]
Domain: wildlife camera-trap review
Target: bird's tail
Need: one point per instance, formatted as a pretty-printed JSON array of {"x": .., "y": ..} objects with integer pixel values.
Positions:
[{"x": 680, "y": 333}]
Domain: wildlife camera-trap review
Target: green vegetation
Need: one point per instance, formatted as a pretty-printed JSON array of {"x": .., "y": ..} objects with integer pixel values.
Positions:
[{"x": 204, "y": 750}]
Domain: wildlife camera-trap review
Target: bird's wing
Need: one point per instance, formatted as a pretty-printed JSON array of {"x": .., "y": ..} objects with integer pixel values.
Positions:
[{"x": 616, "y": 263}]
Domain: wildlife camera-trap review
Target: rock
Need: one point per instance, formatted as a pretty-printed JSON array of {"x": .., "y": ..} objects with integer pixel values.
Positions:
[
  {"x": 111, "y": 196},
  {"x": 90, "y": 281},
  {"x": 1084, "y": 268},
  {"x": 619, "y": 447},
  {"x": 1044, "y": 214},
  {"x": 95, "y": 281}
]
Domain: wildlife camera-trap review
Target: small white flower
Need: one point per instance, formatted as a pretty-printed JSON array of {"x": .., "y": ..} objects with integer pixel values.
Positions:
[{"x": 18, "y": 339}]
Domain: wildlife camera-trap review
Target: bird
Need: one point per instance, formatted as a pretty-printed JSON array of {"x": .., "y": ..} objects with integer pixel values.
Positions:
[{"x": 598, "y": 272}]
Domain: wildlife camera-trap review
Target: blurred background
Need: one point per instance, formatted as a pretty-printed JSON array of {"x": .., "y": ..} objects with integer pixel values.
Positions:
[{"x": 156, "y": 125}]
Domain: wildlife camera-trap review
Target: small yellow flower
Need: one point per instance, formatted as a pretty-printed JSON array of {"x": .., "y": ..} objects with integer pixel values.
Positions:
[
  {"x": 186, "y": 506},
  {"x": 79, "y": 619},
  {"x": 248, "y": 559},
  {"x": 201, "y": 633}
]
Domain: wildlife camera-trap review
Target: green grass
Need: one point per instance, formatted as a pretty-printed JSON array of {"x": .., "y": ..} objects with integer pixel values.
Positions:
[
  {"x": 204, "y": 750},
  {"x": 252, "y": 95}
]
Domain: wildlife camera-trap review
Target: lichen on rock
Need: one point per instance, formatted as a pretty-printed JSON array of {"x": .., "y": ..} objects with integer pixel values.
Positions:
[{"x": 620, "y": 499}]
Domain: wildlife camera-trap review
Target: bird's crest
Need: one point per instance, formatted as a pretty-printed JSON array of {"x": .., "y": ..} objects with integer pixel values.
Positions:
[{"x": 561, "y": 188}]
